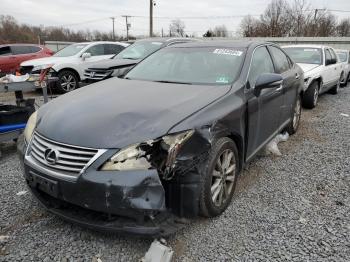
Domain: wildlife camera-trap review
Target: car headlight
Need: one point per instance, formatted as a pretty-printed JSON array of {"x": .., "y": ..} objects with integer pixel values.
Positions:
[
  {"x": 28, "y": 131},
  {"x": 139, "y": 156},
  {"x": 42, "y": 67}
]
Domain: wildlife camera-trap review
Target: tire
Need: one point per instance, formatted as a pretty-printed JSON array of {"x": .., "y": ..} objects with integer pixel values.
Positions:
[
  {"x": 68, "y": 81},
  {"x": 310, "y": 96},
  {"x": 335, "y": 89},
  {"x": 210, "y": 204},
  {"x": 293, "y": 126}
]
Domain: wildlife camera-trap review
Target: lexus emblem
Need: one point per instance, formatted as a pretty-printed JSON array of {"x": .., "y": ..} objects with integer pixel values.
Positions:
[
  {"x": 92, "y": 74},
  {"x": 51, "y": 156}
]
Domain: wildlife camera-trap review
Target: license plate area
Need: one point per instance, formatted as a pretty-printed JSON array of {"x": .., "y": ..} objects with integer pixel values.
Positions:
[{"x": 44, "y": 184}]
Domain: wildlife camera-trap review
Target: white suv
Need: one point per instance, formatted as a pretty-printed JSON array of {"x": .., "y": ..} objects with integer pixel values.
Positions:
[
  {"x": 71, "y": 62},
  {"x": 322, "y": 70}
]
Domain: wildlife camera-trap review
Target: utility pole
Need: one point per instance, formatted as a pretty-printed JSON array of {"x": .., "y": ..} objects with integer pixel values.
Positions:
[
  {"x": 151, "y": 3},
  {"x": 113, "y": 18},
  {"x": 127, "y": 26},
  {"x": 162, "y": 32}
]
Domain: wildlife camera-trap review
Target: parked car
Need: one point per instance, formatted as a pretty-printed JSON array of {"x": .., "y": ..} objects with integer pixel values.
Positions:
[
  {"x": 322, "y": 72},
  {"x": 12, "y": 55},
  {"x": 120, "y": 64},
  {"x": 170, "y": 139},
  {"x": 344, "y": 59},
  {"x": 70, "y": 62}
]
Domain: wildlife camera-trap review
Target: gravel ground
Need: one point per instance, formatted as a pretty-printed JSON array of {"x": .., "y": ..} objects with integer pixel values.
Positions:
[{"x": 290, "y": 208}]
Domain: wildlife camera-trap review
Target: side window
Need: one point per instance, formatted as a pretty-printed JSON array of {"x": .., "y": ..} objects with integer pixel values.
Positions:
[
  {"x": 261, "y": 63},
  {"x": 35, "y": 49},
  {"x": 280, "y": 59},
  {"x": 5, "y": 51},
  {"x": 21, "y": 49},
  {"x": 113, "y": 49},
  {"x": 328, "y": 55},
  {"x": 96, "y": 50}
]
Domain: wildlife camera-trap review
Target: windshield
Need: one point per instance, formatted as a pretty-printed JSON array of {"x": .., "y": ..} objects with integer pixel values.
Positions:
[
  {"x": 305, "y": 55},
  {"x": 342, "y": 56},
  {"x": 214, "y": 66},
  {"x": 139, "y": 50},
  {"x": 70, "y": 50}
]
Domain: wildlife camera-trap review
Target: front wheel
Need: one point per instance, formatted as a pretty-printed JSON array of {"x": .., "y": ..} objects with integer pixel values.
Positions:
[
  {"x": 220, "y": 178},
  {"x": 310, "y": 96},
  {"x": 68, "y": 81},
  {"x": 296, "y": 115}
]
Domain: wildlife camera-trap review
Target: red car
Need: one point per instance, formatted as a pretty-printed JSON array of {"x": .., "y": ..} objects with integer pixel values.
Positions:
[{"x": 12, "y": 55}]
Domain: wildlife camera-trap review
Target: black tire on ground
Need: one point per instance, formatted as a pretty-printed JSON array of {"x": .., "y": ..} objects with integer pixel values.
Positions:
[
  {"x": 310, "y": 96},
  {"x": 343, "y": 80},
  {"x": 215, "y": 194},
  {"x": 293, "y": 126},
  {"x": 68, "y": 81},
  {"x": 335, "y": 89}
]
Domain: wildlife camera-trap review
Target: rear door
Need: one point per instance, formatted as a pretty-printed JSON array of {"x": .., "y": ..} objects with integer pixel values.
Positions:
[
  {"x": 7, "y": 60},
  {"x": 337, "y": 67},
  {"x": 284, "y": 66},
  {"x": 264, "y": 111}
]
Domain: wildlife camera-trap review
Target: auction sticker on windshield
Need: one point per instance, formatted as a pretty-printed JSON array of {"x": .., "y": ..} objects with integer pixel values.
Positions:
[{"x": 228, "y": 52}]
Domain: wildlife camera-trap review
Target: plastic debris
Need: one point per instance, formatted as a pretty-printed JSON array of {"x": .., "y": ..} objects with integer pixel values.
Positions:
[
  {"x": 272, "y": 147},
  {"x": 342, "y": 114},
  {"x": 3, "y": 239},
  {"x": 14, "y": 79},
  {"x": 158, "y": 252},
  {"x": 21, "y": 193}
]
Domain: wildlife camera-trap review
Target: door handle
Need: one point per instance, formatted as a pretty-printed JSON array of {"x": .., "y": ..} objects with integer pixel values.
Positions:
[
  {"x": 280, "y": 88},
  {"x": 297, "y": 76}
]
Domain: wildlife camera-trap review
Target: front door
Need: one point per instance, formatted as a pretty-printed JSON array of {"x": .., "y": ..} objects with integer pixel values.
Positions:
[{"x": 264, "y": 111}]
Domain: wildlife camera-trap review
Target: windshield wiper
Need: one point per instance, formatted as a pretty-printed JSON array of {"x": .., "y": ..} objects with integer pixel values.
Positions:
[{"x": 173, "y": 82}]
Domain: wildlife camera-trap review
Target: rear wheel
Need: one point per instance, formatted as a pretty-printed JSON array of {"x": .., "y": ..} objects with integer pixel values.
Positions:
[
  {"x": 220, "y": 178},
  {"x": 310, "y": 96},
  {"x": 296, "y": 115},
  {"x": 68, "y": 81}
]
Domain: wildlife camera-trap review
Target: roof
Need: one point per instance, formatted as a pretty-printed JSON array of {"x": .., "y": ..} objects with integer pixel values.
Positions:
[
  {"x": 222, "y": 43},
  {"x": 167, "y": 39},
  {"x": 305, "y": 45}
]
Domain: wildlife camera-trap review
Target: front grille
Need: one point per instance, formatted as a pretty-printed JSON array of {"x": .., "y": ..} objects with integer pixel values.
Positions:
[
  {"x": 97, "y": 74},
  {"x": 69, "y": 160}
]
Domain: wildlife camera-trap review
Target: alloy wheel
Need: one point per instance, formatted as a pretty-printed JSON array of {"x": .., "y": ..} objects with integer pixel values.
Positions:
[
  {"x": 68, "y": 82},
  {"x": 297, "y": 114},
  {"x": 223, "y": 177}
]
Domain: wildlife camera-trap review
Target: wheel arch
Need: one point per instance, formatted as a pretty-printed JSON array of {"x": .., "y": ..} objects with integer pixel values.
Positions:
[{"x": 72, "y": 70}]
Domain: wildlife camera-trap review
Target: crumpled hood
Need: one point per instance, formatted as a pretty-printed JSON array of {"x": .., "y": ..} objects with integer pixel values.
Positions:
[
  {"x": 307, "y": 67},
  {"x": 46, "y": 61},
  {"x": 117, "y": 112},
  {"x": 114, "y": 63}
]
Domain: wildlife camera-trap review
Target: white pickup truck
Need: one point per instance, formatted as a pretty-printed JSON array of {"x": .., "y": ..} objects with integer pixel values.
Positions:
[{"x": 322, "y": 70}]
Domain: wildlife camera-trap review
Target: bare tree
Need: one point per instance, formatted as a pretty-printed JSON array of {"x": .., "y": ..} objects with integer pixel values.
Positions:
[
  {"x": 249, "y": 26},
  {"x": 220, "y": 31},
  {"x": 177, "y": 28},
  {"x": 343, "y": 28}
]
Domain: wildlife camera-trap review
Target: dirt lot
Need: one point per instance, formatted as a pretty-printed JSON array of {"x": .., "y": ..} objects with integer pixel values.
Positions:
[{"x": 290, "y": 208}]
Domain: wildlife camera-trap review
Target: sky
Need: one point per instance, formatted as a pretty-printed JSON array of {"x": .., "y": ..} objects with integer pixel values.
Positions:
[{"x": 94, "y": 14}]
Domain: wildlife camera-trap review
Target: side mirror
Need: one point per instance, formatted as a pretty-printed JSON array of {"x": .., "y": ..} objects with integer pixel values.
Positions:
[
  {"x": 267, "y": 80},
  {"x": 85, "y": 56}
]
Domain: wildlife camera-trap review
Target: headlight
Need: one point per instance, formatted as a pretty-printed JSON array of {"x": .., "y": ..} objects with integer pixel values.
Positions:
[
  {"x": 42, "y": 67},
  {"x": 138, "y": 157},
  {"x": 28, "y": 131}
]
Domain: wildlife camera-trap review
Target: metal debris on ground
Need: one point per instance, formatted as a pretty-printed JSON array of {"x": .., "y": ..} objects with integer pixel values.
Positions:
[
  {"x": 272, "y": 147},
  {"x": 158, "y": 252},
  {"x": 342, "y": 114}
]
